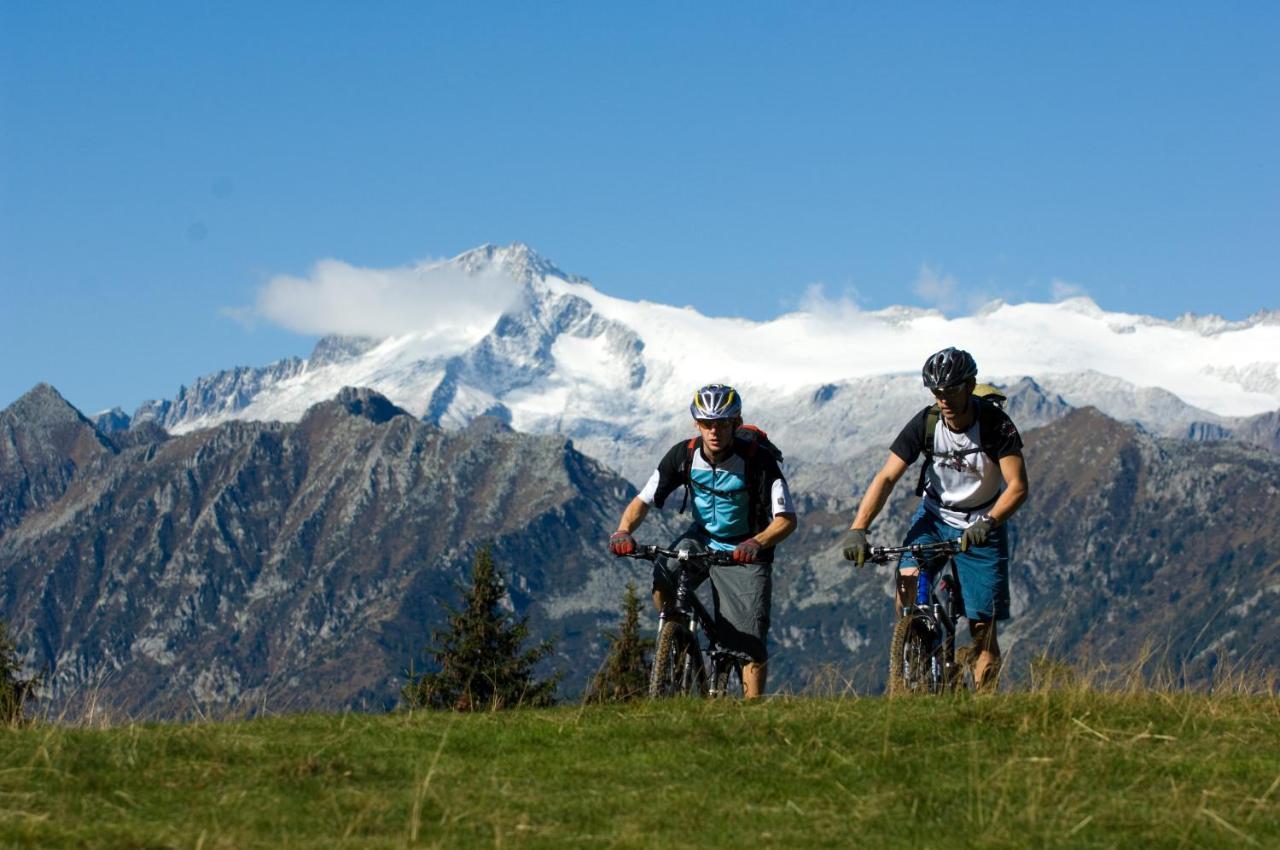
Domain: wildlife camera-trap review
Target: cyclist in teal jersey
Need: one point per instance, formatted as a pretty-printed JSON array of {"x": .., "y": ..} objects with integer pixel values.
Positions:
[{"x": 740, "y": 503}]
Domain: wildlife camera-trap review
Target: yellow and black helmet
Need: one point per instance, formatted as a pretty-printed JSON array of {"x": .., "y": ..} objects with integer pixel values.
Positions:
[{"x": 716, "y": 401}]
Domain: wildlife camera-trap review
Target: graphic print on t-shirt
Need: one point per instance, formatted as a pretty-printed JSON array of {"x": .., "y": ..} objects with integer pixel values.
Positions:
[{"x": 964, "y": 478}]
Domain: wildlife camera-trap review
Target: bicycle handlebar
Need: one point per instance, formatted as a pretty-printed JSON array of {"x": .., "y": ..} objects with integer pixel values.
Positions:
[
  {"x": 682, "y": 556},
  {"x": 880, "y": 554}
]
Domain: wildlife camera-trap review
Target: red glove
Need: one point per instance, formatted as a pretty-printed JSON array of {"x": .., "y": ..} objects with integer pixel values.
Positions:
[
  {"x": 622, "y": 543},
  {"x": 747, "y": 552}
]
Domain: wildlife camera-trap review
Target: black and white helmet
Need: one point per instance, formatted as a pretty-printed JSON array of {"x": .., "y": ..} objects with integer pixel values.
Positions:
[
  {"x": 948, "y": 367},
  {"x": 716, "y": 401}
]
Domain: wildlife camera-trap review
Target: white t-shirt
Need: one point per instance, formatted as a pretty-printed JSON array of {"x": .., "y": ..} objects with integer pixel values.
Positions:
[{"x": 964, "y": 479}]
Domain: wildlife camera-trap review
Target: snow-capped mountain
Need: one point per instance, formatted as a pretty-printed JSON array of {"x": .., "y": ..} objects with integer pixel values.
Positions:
[{"x": 547, "y": 352}]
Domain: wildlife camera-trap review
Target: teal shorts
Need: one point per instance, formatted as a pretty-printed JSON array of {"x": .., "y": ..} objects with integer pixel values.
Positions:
[{"x": 983, "y": 570}]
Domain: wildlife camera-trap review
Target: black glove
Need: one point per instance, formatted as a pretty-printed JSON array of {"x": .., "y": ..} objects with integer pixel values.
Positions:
[
  {"x": 622, "y": 543},
  {"x": 747, "y": 552},
  {"x": 977, "y": 533},
  {"x": 855, "y": 546}
]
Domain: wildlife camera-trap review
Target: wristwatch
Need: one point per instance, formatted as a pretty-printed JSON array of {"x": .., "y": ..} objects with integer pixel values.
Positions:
[{"x": 990, "y": 519}]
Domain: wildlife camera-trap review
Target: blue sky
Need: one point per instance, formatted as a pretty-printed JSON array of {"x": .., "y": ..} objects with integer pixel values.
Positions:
[{"x": 159, "y": 162}]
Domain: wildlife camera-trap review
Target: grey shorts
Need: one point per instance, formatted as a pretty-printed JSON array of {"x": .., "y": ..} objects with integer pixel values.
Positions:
[{"x": 742, "y": 595}]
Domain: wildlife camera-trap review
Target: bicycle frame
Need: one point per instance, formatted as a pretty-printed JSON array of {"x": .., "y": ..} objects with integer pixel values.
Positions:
[
  {"x": 690, "y": 615},
  {"x": 922, "y": 653}
]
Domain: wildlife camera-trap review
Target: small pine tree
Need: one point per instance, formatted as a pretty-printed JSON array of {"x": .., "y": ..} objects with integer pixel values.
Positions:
[
  {"x": 481, "y": 665},
  {"x": 625, "y": 673},
  {"x": 14, "y": 690}
]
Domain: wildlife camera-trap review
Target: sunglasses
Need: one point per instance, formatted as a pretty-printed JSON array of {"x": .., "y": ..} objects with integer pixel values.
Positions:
[{"x": 949, "y": 392}]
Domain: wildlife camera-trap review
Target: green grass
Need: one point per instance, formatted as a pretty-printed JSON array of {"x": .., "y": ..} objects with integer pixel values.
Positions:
[{"x": 1074, "y": 768}]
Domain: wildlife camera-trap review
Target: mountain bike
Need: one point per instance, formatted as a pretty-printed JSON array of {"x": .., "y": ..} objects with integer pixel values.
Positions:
[
  {"x": 679, "y": 668},
  {"x": 922, "y": 653}
]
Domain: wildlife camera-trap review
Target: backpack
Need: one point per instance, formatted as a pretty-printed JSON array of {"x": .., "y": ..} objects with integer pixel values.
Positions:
[
  {"x": 991, "y": 393},
  {"x": 752, "y": 443},
  {"x": 985, "y": 394}
]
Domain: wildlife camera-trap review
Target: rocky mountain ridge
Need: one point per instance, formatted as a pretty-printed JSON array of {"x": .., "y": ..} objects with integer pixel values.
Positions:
[
  {"x": 295, "y": 565},
  {"x": 282, "y": 566}
]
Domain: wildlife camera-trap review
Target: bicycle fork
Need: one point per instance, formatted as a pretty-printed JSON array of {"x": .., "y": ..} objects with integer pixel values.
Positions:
[
  {"x": 937, "y": 602},
  {"x": 690, "y": 628}
]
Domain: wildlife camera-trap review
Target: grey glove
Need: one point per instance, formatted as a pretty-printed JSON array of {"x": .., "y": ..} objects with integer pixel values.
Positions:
[
  {"x": 977, "y": 533},
  {"x": 855, "y": 546}
]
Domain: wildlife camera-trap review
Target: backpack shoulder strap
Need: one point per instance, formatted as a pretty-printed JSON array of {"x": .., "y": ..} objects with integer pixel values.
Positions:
[
  {"x": 752, "y": 440},
  {"x": 931, "y": 417},
  {"x": 762, "y": 461},
  {"x": 690, "y": 448},
  {"x": 996, "y": 423}
]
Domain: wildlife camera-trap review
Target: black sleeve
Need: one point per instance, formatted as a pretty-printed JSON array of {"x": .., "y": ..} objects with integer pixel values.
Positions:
[
  {"x": 670, "y": 472},
  {"x": 1000, "y": 437},
  {"x": 910, "y": 441}
]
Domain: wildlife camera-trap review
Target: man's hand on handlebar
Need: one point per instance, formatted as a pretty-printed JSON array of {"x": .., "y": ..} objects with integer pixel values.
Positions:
[
  {"x": 651, "y": 553},
  {"x": 854, "y": 547},
  {"x": 747, "y": 552},
  {"x": 621, "y": 543}
]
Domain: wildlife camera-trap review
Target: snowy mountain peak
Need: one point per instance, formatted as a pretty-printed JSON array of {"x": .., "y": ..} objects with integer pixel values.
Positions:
[
  {"x": 503, "y": 332},
  {"x": 517, "y": 261},
  {"x": 1083, "y": 305},
  {"x": 111, "y": 421}
]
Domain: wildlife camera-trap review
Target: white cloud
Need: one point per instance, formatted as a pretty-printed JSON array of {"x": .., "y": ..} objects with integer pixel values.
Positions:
[
  {"x": 814, "y": 301},
  {"x": 945, "y": 293},
  {"x": 246, "y": 317},
  {"x": 1061, "y": 290},
  {"x": 430, "y": 298},
  {"x": 938, "y": 289}
]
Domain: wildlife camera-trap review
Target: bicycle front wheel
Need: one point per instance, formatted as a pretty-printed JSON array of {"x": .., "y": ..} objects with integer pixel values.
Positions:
[
  {"x": 677, "y": 664},
  {"x": 727, "y": 681},
  {"x": 911, "y": 658}
]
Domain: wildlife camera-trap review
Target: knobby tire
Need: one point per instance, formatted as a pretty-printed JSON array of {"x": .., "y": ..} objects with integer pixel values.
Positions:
[
  {"x": 677, "y": 664},
  {"x": 910, "y": 656}
]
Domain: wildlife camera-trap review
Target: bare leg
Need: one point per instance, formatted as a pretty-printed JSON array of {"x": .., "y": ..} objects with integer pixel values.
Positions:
[
  {"x": 753, "y": 678},
  {"x": 906, "y": 589},
  {"x": 986, "y": 670}
]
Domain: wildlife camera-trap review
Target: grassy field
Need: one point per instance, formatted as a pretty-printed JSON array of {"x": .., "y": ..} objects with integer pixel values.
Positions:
[{"x": 1072, "y": 768}]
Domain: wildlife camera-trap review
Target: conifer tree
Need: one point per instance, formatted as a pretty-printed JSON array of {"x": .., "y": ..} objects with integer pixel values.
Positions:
[
  {"x": 481, "y": 665},
  {"x": 625, "y": 674},
  {"x": 14, "y": 691}
]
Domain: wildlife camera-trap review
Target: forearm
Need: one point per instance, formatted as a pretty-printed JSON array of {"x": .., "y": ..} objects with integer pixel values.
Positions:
[
  {"x": 1009, "y": 502},
  {"x": 777, "y": 530},
  {"x": 634, "y": 514},
  {"x": 1015, "y": 492},
  {"x": 872, "y": 501}
]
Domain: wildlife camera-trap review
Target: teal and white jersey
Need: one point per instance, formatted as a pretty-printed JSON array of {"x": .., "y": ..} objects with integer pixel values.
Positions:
[
  {"x": 721, "y": 495},
  {"x": 720, "y": 499}
]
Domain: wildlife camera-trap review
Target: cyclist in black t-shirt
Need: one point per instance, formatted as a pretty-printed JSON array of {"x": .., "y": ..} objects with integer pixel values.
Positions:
[{"x": 972, "y": 482}]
